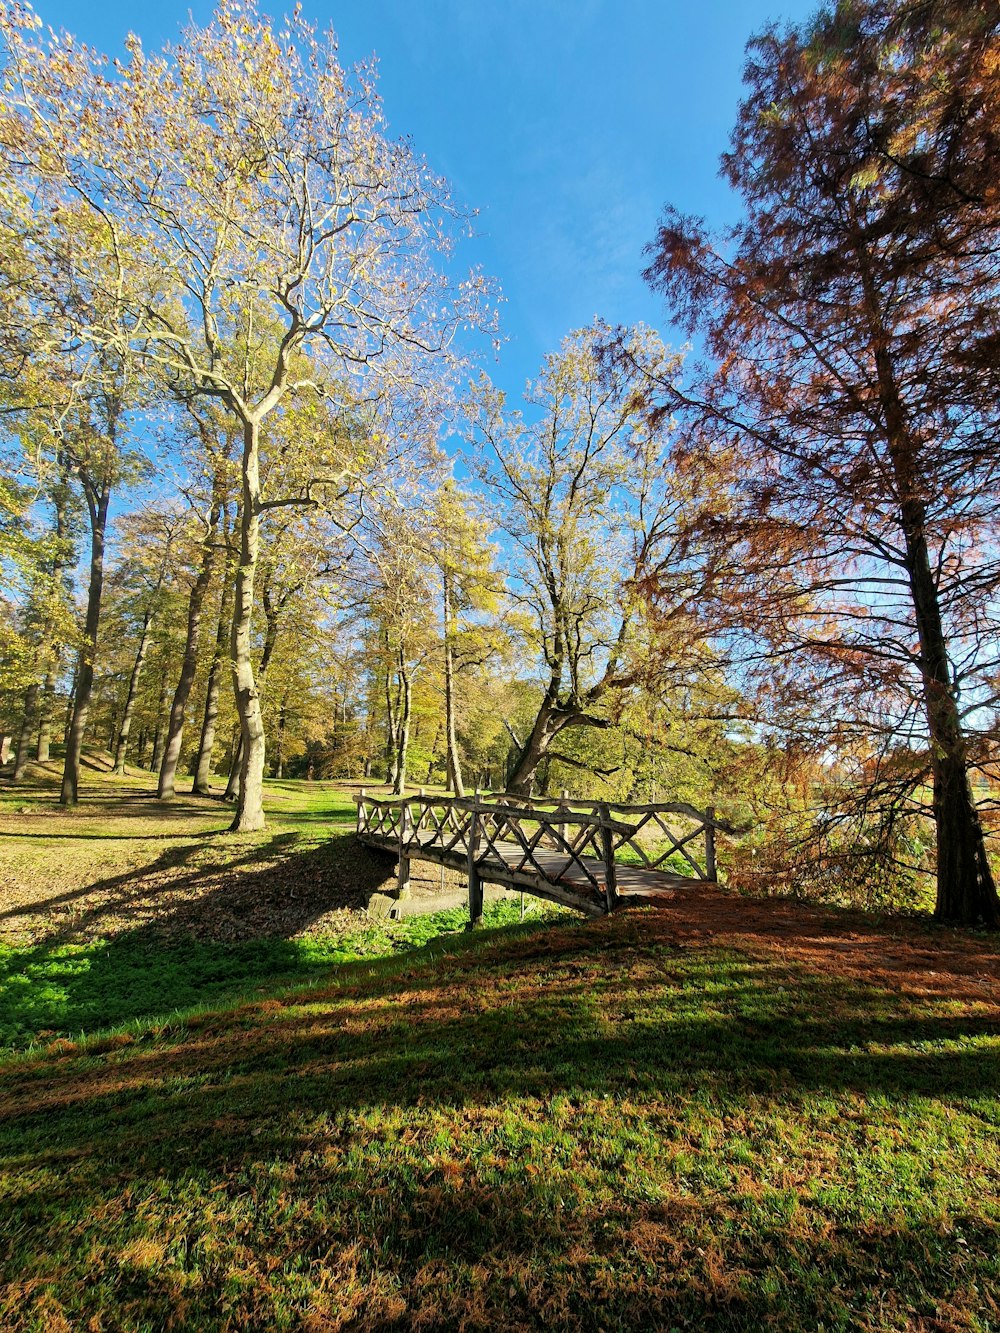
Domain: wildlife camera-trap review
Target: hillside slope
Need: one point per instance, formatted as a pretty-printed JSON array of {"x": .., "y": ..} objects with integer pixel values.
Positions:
[{"x": 726, "y": 1117}]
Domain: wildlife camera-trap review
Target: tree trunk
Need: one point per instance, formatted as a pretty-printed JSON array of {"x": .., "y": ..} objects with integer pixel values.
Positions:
[
  {"x": 403, "y": 732},
  {"x": 98, "y": 499},
  {"x": 392, "y": 706},
  {"x": 25, "y": 733},
  {"x": 250, "y": 803},
  {"x": 453, "y": 764},
  {"x": 546, "y": 727},
  {"x": 121, "y": 745},
  {"x": 279, "y": 757},
  {"x": 160, "y": 734},
  {"x": 45, "y": 719},
  {"x": 203, "y": 765},
  {"x": 189, "y": 662},
  {"x": 966, "y": 891},
  {"x": 235, "y": 758},
  {"x": 60, "y": 562}
]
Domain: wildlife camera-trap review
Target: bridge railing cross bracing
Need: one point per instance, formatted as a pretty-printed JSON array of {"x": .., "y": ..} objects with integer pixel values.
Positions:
[{"x": 591, "y": 855}]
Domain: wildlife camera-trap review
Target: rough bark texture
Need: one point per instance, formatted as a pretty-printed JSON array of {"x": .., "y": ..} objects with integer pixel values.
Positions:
[
  {"x": 24, "y": 735},
  {"x": 966, "y": 891},
  {"x": 454, "y": 766},
  {"x": 233, "y": 779},
  {"x": 121, "y": 745},
  {"x": 189, "y": 662},
  {"x": 98, "y": 499},
  {"x": 203, "y": 764},
  {"x": 250, "y": 803}
]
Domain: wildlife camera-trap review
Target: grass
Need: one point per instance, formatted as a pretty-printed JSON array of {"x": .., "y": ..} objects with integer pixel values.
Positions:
[
  {"x": 68, "y": 990},
  {"x": 186, "y": 917},
  {"x": 584, "y": 1128},
  {"x": 642, "y": 1122}
]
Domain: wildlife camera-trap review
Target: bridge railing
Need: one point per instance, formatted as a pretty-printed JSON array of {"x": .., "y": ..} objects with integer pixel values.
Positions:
[{"x": 549, "y": 838}]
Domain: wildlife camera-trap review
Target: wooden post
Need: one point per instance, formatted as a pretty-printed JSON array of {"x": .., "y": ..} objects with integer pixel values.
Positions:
[
  {"x": 403, "y": 877},
  {"x": 563, "y": 802},
  {"x": 608, "y": 851},
  {"x": 472, "y": 870},
  {"x": 403, "y": 873},
  {"x": 362, "y": 817},
  {"x": 710, "y": 870}
]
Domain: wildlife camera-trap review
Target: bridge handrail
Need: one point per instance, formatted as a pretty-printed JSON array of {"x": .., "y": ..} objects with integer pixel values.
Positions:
[
  {"x": 486, "y": 819},
  {"x": 551, "y": 804}
]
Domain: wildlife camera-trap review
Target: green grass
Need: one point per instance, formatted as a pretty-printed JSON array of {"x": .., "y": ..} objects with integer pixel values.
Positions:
[
  {"x": 585, "y": 1127},
  {"x": 67, "y": 990},
  {"x": 251, "y": 1109},
  {"x": 187, "y": 917}
]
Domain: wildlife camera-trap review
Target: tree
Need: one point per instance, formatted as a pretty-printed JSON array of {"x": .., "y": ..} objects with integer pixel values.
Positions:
[
  {"x": 300, "y": 241},
  {"x": 849, "y": 317},
  {"x": 216, "y": 448},
  {"x": 396, "y": 602},
  {"x": 463, "y": 558},
  {"x": 588, "y": 499},
  {"x": 139, "y": 585},
  {"x": 44, "y": 617}
]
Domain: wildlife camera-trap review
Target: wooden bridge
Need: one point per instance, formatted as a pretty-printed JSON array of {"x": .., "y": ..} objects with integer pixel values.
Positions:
[{"x": 591, "y": 855}]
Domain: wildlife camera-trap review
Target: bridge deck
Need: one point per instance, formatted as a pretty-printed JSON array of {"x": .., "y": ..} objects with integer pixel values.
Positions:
[{"x": 567, "y": 853}]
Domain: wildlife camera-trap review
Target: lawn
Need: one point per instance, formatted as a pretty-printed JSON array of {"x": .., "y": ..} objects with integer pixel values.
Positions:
[
  {"x": 721, "y": 1114},
  {"x": 128, "y": 908}
]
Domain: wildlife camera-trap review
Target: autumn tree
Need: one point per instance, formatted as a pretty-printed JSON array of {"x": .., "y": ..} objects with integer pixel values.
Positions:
[
  {"x": 37, "y": 557},
  {"x": 395, "y": 604},
  {"x": 138, "y": 587},
  {"x": 70, "y": 376},
  {"x": 301, "y": 242},
  {"x": 455, "y": 537},
  {"x": 584, "y": 491},
  {"x": 214, "y": 472},
  {"x": 851, "y": 318}
]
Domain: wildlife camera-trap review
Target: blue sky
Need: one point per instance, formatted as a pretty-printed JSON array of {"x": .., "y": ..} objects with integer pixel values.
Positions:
[{"x": 566, "y": 123}]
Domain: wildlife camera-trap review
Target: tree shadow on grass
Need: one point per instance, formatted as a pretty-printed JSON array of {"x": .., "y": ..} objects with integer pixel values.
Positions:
[
  {"x": 534, "y": 1133},
  {"x": 273, "y": 888},
  {"x": 186, "y": 928}
]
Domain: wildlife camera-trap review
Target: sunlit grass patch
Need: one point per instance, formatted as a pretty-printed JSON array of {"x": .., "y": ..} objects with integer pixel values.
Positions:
[
  {"x": 584, "y": 1127},
  {"x": 51, "y": 992}
]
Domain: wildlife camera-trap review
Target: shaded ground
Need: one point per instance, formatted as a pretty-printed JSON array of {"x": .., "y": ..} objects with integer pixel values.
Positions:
[
  {"x": 724, "y": 1113},
  {"x": 614, "y": 1125},
  {"x": 124, "y": 863},
  {"x": 127, "y": 908},
  {"x": 122, "y": 860}
]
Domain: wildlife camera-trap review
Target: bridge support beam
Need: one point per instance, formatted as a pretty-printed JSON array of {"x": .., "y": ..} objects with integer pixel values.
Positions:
[
  {"x": 475, "y": 900},
  {"x": 403, "y": 877},
  {"x": 472, "y": 873},
  {"x": 608, "y": 852}
]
